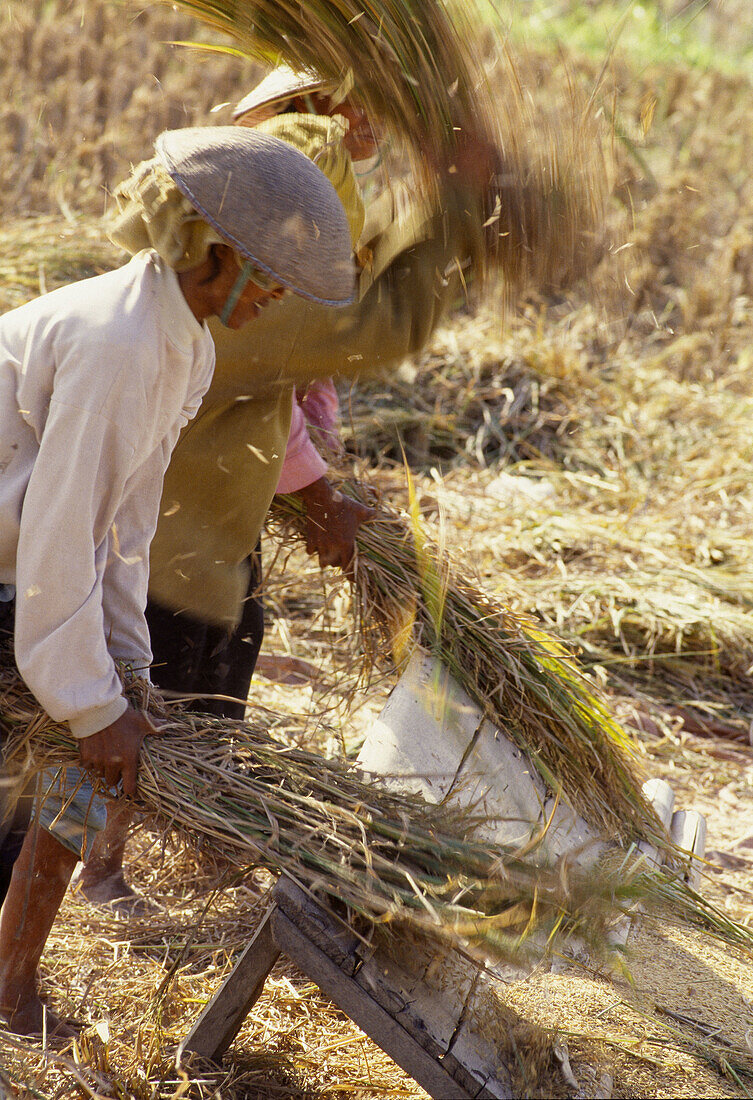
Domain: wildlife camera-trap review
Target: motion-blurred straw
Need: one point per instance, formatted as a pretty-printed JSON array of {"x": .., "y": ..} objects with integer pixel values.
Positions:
[
  {"x": 410, "y": 62},
  {"x": 538, "y": 179}
]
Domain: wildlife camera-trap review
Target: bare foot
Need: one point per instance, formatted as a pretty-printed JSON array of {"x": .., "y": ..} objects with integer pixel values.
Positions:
[
  {"x": 113, "y": 890},
  {"x": 287, "y": 670},
  {"x": 31, "y": 1017}
]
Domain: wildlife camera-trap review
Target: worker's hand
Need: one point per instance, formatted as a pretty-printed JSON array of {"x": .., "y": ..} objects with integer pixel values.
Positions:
[
  {"x": 472, "y": 163},
  {"x": 113, "y": 753},
  {"x": 332, "y": 521}
]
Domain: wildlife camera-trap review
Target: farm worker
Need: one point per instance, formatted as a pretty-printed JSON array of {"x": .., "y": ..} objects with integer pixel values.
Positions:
[
  {"x": 253, "y": 430},
  {"x": 206, "y": 615},
  {"x": 205, "y": 622},
  {"x": 96, "y": 381},
  {"x": 217, "y": 488}
]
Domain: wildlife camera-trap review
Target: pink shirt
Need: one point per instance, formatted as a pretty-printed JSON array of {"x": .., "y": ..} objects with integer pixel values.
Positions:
[{"x": 319, "y": 408}]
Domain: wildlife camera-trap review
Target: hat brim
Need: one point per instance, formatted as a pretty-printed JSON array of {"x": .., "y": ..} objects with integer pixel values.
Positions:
[{"x": 281, "y": 84}]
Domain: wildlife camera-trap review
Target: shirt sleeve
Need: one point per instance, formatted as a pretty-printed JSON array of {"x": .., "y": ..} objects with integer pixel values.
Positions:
[
  {"x": 321, "y": 405},
  {"x": 303, "y": 464},
  {"x": 71, "y": 503},
  {"x": 406, "y": 293},
  {"x": 126, "y": 577}
]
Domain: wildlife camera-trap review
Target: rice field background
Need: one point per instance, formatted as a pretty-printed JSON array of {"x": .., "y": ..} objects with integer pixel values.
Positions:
[{"x": 591, "y": 456}]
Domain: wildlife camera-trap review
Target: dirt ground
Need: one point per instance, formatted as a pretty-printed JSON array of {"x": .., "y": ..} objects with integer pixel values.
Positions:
[{"x": 589, "y": 459}]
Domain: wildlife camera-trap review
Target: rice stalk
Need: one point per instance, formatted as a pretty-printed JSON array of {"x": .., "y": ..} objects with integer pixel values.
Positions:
[
  {"x": 241, "y": 795},
  {"x": 522, "y": 678},
  {"x": 411, "y": 62}
]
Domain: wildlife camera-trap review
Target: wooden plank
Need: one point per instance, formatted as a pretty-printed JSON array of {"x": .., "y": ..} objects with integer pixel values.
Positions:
[
  {"x": 423, "y": 988},
  {"x": 427, "y": 1016},
  {"x": 364, "y": 1011},
  {"x": 336, "y": 940},
  {"x": 223, "y": 1016},
  {"x": 475, "y": 1046},
  {"x": 465, "y": 1063}
]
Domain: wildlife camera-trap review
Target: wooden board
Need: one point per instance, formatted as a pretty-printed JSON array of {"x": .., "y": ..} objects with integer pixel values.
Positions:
[
  {"x": 222, "y": 1017},
  {"x": 412, "y": 1015},
  {"x": 378, "y": 1024}
]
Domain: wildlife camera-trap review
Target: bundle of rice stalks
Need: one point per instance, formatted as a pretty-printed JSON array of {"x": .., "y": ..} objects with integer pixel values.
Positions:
[
  {"x": 539, "y": 179},
  {"x": 411, "y": 593},
  {"x": 411, "y": 63},
  {"x": 241, "y": 795}
]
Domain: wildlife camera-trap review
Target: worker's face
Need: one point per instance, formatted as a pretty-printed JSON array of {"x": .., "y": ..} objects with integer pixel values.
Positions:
[
  {"x": 252, "y": 302},
  {"x": 253, "y": 297},
  {"x": 360, "y": 140}
]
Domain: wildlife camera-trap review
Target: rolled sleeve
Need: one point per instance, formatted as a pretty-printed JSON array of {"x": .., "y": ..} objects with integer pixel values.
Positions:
[{"x": 99, "y": 718}]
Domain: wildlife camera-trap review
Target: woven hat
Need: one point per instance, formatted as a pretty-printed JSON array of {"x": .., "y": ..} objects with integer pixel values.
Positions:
[
  {"x": 269, "y": 202},
  {"x": 281, "y": 84}
]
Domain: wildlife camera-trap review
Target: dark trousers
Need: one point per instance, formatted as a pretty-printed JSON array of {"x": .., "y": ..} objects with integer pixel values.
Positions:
[
  {"x": 14, "y": 823},
  {"x": 195, "y": 657}
]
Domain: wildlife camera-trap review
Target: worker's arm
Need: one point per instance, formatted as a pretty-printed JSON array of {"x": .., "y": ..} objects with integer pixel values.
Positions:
[
  {"x": 126, "y": 574},
  {"x": 69, "y": 506},
  {"x": 303, "y": 463},
  {"x": 298, "y": 341},
  {"x": 81, "y": 595},
  {"x": 332, "y": 518},
  {"x": 321, "y": 409}
]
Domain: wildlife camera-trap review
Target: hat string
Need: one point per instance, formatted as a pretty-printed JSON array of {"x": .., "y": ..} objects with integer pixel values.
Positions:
[{"x": 237, "y": 289}]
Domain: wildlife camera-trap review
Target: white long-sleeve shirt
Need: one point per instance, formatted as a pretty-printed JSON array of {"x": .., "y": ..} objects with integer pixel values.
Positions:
[{"x": 96, "y": 381}]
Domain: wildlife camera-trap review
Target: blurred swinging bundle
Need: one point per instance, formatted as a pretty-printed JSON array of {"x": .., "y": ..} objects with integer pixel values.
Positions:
[{"x": 420, "y": 70}]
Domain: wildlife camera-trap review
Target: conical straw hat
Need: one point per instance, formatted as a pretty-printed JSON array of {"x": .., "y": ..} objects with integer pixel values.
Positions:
[
  {"x": 281, "y": 84},
  {"x": 269, "y": 202}
]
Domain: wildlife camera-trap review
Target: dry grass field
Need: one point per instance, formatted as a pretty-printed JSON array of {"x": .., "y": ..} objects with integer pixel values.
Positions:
[{"x": 590, "y": 459}]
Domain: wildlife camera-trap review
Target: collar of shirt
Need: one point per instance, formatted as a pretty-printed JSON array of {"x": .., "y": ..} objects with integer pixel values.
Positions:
[{"x": 177, "y": 319}]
